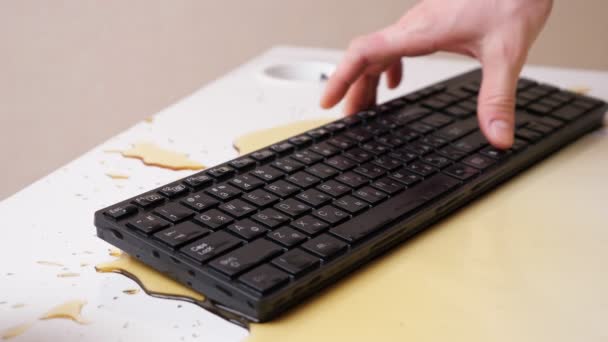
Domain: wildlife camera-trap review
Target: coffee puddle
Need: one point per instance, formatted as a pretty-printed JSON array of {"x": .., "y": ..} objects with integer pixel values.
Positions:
[
  {"x": 152, "y": 155},
  {"x": 158, "y": 285},
  {"x": 255, "y": 140}
]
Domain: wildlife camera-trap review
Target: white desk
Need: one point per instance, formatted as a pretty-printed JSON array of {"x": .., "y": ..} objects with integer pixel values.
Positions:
[{"x": 51, "y": 220}]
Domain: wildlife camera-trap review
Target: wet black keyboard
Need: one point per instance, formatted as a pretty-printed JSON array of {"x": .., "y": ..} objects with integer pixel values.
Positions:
[{"x": 258, "y": 234}]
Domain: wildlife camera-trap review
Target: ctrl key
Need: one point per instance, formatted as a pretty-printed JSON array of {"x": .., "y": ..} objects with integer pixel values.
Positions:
[{"x": 264, "y": 278}]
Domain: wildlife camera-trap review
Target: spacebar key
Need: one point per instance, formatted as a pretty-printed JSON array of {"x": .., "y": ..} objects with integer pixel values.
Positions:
[{"x": 391, "y": 210}]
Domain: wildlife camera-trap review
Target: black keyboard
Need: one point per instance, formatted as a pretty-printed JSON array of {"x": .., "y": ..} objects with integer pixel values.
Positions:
[{"x": 258, "y": 234}]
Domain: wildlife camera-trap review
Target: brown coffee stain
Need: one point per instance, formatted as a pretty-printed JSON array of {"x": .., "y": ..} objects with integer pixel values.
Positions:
[
  {"x": 130, "y": 291},
  {"x": 261, "y": 138},
  {"x": 16, "y": 330},
  {"x": 68, "y": 275},
  {"x": 152, "y": 155},
  {"x": 581, "y": 90},
  {"x": 159, "y": 285},
  {"x": 149, "y": 119},
  {"x": 49, "y": 263},
  {"x": 116, "y": 175},
  {"x": 17, "y": 305},
  {"x": 69, "y": 310},
  {"x": 151, "y": 281}
]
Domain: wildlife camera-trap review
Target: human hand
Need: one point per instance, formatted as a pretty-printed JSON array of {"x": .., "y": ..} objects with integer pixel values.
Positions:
[{"x": 497, "y": 33}]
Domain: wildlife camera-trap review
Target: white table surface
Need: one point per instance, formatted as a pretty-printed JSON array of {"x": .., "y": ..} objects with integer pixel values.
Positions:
[{"x": 52, "y": 219}]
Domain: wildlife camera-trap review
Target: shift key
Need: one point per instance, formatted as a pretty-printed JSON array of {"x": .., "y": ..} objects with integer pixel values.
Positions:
[{"x": 246, "y": 257}]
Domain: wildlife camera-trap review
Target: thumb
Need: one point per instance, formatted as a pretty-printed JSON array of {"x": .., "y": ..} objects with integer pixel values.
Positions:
[{"x": 496, "y": 103}]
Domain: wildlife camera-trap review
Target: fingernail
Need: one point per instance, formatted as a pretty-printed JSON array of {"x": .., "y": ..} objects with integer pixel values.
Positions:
[{"x": 501, "y": 131}]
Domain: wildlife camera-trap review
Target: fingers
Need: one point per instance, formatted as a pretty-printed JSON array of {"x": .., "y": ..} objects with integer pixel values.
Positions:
[
  {"x": 376, "y": 52},
  {"x": 393, "y": 74},
  {"x": 496, "y": 103},
  {"x": 362, "y": 94}
]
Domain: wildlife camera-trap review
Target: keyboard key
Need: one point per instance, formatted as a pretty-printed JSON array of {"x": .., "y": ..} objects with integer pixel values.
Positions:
[
  {"x": 260, "y": 198},
  {"x": 214, "y": 219},
  {"x": 325, "y": 149},
  {"x": 221, "y": 171},
  {"x": 282, "y": 147},
  {"x": 478, "y": 161},
  {"x": 264, "y": 278},
  {"x": 410, "y": 114},
  {"x": 419, "y": 148},
  {"x": 528, "y": 134},
  {"x": 148, "y": 223},
  {"x": 318, "y": 133},
  {"x": 536, "y": 126},
  {"x": 247, "y": 229},
  {"x": 292, "y": 207},
  {"x": 421, "y": 168},
  {"x": 238, "y": 208},
  {"x": 267, "y": 173},
  {"x": 300, "y": 140},
  {"x": 286, "y": 236},
  {"x": 288, "y": 165},
  {"x": 174, "y": 190},
  {"x": 333, "y": 188},
  {"x": 471, "y": 142},
  {"x": 375, "y": 147},
  {"x": 406, "y": 177},
  {"x": 388, "y": 163},
  {"x": 325, "y": 246},
  {"x": 352, "y": 179},
  {"x": 351, "y": 204},
  {"x": 314, "y": 197},
  {"x": 437, "y": 120},
  {"x": 551, "y": 122},
  {"x": 296, "y": 262},
  {"x": 452, "y": 153},
  {"x": 271, "y": 218},
  {"x": 303, "y": 180},
  {"x": 494, "y": 153},
  {"x": 458, "y": 129},
  {"x": 568, "y": 113},
  {"x": 246, "y": 257},
  {"x": 149, "y": 200},
  {"x": 387, "y": 212},
  {"x": 309, "y": 225},
  {"x": 330, "y": 214},
  {"x": 436, "y": 160},
  {"x": 199, "y": 201},
  {"x": 223, "y": 191},
  {"x": 120, "y": 212},
  {"x": 358, "y": 134},
  {"x": 247, "y": 182},
  {"x": 358, "y": 155},
  {"x": 282, "y": 189},
  {"x": 341, "y": 163},
  {"x": 322, "y": 171},
  {"x": 457, "y": 111},
  {"x": 263, "y": 155},
  {"x": 461, "y": 171},
  {"x": 434, "y": 141},
  {"x": 388, "y": 185},
  {"x": 307, "y": 157},
  {"x": 199, "y": 180},
  {"x": 403, "y": 155},
  {"x": 181, "y": 233},
  {"x": 392, "y": 140},
  {"x": 341, "y": 142},
  {"x": 370, "y": 195},
  {"x": 420, "y": 128},
  {"x": 210, "y": 246},
  {"x": 370, "y": 171},
  {"x": 174, "y": 212},
  {"x": 242, "y": 163}
]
